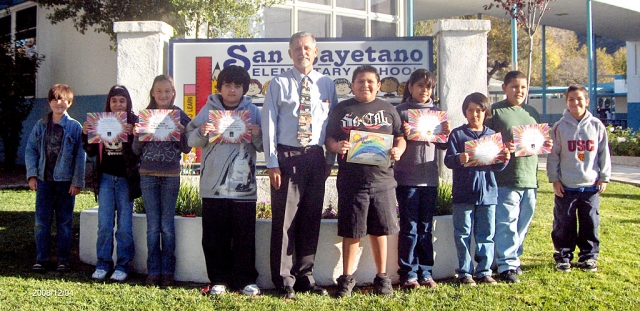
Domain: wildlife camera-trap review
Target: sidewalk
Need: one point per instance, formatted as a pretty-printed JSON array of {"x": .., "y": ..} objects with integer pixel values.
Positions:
[{"x": 619, "y": 173}]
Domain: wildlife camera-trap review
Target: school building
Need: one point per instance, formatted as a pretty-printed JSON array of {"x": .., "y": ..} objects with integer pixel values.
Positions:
[{"x": 89, "y": 66}]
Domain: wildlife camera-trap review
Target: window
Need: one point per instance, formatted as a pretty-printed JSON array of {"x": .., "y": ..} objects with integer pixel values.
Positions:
[
  {"x": 351, "y": 4},
  {"x": 317, "y": 22},
  {"x": 277, "y": 22},
  {"x": 383, "y": 29},
  {"x": 334, "y": 18},
  {"x": 350, "y": 27},
  {"x": 384, "y": 6},
  {"x": 5, "y": 29}
]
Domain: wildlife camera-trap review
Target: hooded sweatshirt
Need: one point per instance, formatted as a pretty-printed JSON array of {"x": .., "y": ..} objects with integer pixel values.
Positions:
[
  {"x": 418, "y": 165},
  {"x": 476, "y": 184},
  {"x": 580, "y": 154},
  {"x": 226, "y": 170}
]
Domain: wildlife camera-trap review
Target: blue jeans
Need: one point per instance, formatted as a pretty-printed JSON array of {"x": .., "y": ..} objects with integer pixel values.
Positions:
[
  {"x": 514, "y": 213},
  {"x": 53, "y": 196},
  {"x": 479, "y": 219},
  {"x": 160, "y": 194},
  {"x": 113, "y": 199},
  {"x": 415, "y": 240}
]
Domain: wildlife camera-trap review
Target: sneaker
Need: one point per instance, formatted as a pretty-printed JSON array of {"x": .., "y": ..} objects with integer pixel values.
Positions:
[
  {"x": 313, "y": 289},
  {"x": 99, "y": 274},
  {"x": 63, "y": 267},
  {"x": 345, "y": 286},
  {"x": 214, "y": 290},
  {"x": 382, "y": 283},
  {"x": 167, "y": 280},
  {"x": 118, "y": 276},
  {"x": 467, "y": 281},
  {"x": 509, "y": 276},
  {"x": 410, "y": 284},
  {"x": 563, "y": 267},
  {"x": 487, "y": 279},
  {"x": 519, "y": 270},
  {"x": 588, "y": 265},
  {"x": 428, "y": 282},
  {"x": 289, "y": 292},
  {"x": 251, "y": 290},
  {"x": 153, "y": 280},
  {"x": 39, "y": 267}
]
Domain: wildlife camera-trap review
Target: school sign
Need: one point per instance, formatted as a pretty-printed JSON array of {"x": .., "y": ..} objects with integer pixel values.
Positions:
[{"x": 195, "y": 64}]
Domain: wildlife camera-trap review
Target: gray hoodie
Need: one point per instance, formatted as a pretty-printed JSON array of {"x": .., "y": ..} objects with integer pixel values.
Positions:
[
  {"x": 226, "y": 170},
  {"x": 580, "y": 154}
]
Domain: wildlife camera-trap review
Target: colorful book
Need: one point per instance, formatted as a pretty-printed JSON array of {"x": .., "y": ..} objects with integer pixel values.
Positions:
[
  {"x": 230, "y": 126},
  {"x": 529, "y": 139},
  {"x": 159, "y": 125},
  {"x": 108, "y": 127},
  {"x": 426, "y": 125},
  {"x": 485, "y": 151}
]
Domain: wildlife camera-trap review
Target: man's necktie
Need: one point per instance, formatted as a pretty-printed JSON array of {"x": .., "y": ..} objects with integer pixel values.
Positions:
[{"x": 304, "y": 113}]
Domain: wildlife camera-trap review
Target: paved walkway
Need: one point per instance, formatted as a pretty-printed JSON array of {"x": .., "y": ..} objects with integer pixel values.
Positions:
[{"x": 620, "y": 173}]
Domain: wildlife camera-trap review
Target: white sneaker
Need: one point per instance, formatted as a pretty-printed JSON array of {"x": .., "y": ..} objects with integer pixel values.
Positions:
[
  {"x": 99, "y": 274},
  {"x": 118, "y": 276},
  {"x": 218, "y": 290},
  {"x": 251, "y": 290}
]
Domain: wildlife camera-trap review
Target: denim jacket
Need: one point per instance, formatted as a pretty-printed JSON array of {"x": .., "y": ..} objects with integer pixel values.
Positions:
[{"x": 70, "y": 163}]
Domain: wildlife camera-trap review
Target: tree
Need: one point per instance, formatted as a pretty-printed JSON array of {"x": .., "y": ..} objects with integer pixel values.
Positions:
[
  {"x": 218, "y": 17},
  {"x": 18, "y": 68},
  {"x": 528, "y": 14}
]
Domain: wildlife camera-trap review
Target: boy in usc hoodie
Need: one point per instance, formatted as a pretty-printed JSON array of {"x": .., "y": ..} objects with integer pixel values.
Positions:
[
  {"x": 579, "y": 167},
  {"x": 228, "y": 188}
]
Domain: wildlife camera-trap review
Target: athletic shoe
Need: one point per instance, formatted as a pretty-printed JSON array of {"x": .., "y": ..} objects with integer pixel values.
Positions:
[
  {"x": 509, "y": 276},
  {"x": 519, "y": 270},
  {"x": 563, "y": 267},
  {"x": 251, "y": 290},
  {"x": 410, "y": 284},
  {"x": 289, "y": 292},
  {"x": 467, "y": 281},
  {"x": 345, "y": 286},
  {"x": 588, "y": 265},
  {"x": 63, "y": 267},
  {"x": 428, "y": 282},
  {"x": 382, "y": 283},
  {"x": 118, "y": 276},
  {"x": 99, "y": 274},
  {"x": 167, "y": 280},
  {"x": 153, "y": 280},
  {"x": 487, "y": 279},
  {"x": 39, "y": 266}
]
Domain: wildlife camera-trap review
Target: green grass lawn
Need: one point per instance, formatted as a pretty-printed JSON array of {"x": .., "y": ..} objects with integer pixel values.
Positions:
[{"x": 614, "y": 287}]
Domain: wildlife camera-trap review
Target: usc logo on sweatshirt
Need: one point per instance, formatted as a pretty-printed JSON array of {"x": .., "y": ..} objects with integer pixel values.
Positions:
[{"x": 581, "y": 145}]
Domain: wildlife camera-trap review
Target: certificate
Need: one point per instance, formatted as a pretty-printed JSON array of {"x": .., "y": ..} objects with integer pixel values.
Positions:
[
  {"x": 529, "y": 139},
  {"x": 159, "y": 125},
  {"x": 107, "y": 127},
  {"x": 485, "y": 151},
  {"x": 230, "y": 126},
  {"x": 369, "y": 148},
  {"x": 426, "y": 125}
]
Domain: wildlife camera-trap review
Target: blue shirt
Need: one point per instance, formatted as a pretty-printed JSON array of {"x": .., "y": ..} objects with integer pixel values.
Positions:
[{"x": 280, "y": 111}]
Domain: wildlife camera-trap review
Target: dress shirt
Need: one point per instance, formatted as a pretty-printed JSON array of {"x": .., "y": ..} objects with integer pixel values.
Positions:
[{"x": 281, "y": 106}]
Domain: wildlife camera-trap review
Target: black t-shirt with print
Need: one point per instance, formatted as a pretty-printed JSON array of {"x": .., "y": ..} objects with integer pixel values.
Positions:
[{"x": 377, "y": 116}]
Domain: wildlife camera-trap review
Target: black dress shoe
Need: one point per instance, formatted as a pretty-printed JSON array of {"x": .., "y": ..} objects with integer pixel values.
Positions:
[
  {"x": 289, "y": 293},
  {"x": 315, "y": 289}
]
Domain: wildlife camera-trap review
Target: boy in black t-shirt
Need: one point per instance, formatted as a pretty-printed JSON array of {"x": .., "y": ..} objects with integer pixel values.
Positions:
[{"x": 366, "y": 193}]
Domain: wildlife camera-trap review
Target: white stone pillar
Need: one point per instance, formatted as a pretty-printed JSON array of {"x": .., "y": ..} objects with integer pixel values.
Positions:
[
  {"x": 142, "y": 50},
  {"x": 462, "y": 66},
  {"x": 633, "y": 85}
]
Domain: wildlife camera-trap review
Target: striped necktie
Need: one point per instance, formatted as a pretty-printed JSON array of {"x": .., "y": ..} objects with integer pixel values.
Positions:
[{"x": 304, "y": 113}]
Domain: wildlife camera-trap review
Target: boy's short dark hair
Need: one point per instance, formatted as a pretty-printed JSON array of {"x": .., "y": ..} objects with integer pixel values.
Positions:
[
  {"x": 576, "y": 87},
  {"x": 365, "y": 69},
  {"x": 234, "y": 74},
  {"x": 480, "y": 99},
  {"x": 60, "y": 92},
  {"x": 512, "y": 75}
]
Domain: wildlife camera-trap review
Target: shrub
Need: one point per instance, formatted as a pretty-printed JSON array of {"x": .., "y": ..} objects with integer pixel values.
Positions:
[
  {"x": 623, "y": 142},
  {"x": 188, "y": 203},
  {"x": 445, "y": 204}
]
